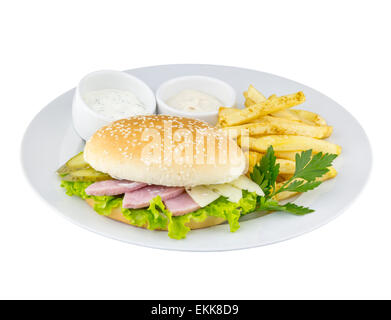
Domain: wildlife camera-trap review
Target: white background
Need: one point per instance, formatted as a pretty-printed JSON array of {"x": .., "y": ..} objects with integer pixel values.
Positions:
[{"x": 341, "y": 48}]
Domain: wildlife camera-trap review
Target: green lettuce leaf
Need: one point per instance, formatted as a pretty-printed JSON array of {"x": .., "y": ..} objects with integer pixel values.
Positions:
[
  {"x": 76, "y": 188},
  {"x": 219, "y": 208},
  {"x": 156, "y": 216},
  {"x": 102, "y": 204}
]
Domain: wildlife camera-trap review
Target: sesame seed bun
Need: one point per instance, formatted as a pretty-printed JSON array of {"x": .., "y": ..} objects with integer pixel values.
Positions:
[
  {"x": 116, "y": 214},
  {"x": 165, "y": 150}
]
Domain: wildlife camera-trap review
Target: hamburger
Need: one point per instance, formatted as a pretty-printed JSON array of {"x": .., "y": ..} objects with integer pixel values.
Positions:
[{"x": 163, "y": 173}]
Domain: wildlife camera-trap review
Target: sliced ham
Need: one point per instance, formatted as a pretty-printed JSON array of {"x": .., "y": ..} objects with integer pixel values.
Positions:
[
  {"x": 181, "y": 204},
  {"x": 113, "y": 187},
  {"x": 141, "y": 197}
]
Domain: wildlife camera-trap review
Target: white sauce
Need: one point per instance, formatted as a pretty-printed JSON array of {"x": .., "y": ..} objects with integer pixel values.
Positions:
[
  {"x": 114, "y": 104},
  {"x": 194, "y": 101}
]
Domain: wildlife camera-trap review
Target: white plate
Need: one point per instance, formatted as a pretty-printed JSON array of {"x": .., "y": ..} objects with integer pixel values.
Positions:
[{"x": 50, "y": 140}]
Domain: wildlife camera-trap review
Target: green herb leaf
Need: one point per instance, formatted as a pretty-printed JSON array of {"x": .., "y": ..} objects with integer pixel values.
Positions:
[
  {"x": 302, "y": 186},
  {"x": 266, "y": 171},
  {"x": 307, "y": 170},
  {"x": 273, "y": 205}
]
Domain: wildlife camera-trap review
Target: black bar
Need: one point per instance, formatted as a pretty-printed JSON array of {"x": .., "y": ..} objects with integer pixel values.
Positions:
[{"x": 193, "y": 309}]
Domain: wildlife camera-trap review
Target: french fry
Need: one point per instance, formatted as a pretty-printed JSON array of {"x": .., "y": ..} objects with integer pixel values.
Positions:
[
  {"x": 273, "y": 104},
  {"x": 253, "y": 158},
  {"x": 310, "y": 117},
  {"x": 255, "y": 95},
  {"x": 285, "y": 126},
  {"x": 287, "y": 167},
  {"x": 225, "y": 113},
  {"x": 286, "y": 114},
  {"x": 270, "y": 125},
  {"x": 266, "y": 122},
  {"x": 287, "y": 194},
  {"x": 288, "y": 155},
  {"x": 291, "y": 143},
  {"x": 262, "y": 127},
  {"x": 304, "y": 116},
  {"x": 248, "y": 102},
  {"x": 280, "y": 178},
  {"x": 284, "y": 177}
]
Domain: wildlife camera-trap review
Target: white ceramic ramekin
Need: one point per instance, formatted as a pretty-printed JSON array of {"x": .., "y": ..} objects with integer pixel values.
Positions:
[
  {"x": 85, "y": 120},
  {"x": 212, "y": 86}
]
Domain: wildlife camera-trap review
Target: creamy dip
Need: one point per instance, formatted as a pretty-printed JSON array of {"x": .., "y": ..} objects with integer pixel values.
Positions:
[
  {"x": 194, "y": 101},
  {"x": 114, "y": 104}
]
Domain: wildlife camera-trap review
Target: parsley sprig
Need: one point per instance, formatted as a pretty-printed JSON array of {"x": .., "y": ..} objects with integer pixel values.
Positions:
[{"x": 308, "y": 169}]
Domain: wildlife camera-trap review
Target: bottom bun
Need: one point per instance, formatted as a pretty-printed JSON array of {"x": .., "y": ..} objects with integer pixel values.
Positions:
[{"x": 116, "y": 214}]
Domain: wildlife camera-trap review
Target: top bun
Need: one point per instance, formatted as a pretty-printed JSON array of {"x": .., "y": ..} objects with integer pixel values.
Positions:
[{"x": 165, "y": 150}]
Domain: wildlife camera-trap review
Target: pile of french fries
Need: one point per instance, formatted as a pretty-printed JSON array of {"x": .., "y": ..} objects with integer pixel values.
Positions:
[{"x": 271, "y": 121}]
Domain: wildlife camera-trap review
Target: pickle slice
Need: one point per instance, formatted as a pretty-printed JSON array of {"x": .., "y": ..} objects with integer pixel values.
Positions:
[
  {"x": 77, "y": 169},
  {"x": 63, "y": 170},
  {"x": 87, "y": 174},
  {"x": 77, "y": 162}
]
